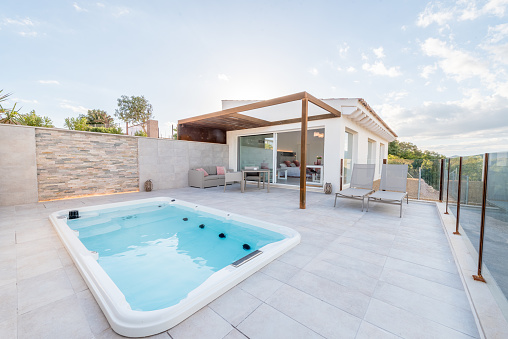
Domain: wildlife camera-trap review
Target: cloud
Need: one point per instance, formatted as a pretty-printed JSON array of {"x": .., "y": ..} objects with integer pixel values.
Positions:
[
  {"x": 100, "y": 4},
  {"x": 428, "y": 70},
  {"x": 475, "y": 117},
  {"x": 18, "y": 22},
  {"x": 121, "y": 11},
  {"x": 351, "y": 69},
  {"x": 343, "y": 49},
  {"x": 25, "y": 101},
  {"x": 395, "y": 96},
  {"x": 364, "y": 57},
  {"x": 461, "y": 11},
  {"x": 76, "y": 109},
  {"x": 223, "y": 77},
  {"x": 313, "y": 71},
  {"x": 379, "y": 52},
  {"x": 456, "y": 63},
  {"x": 433, "y": 13},
  {"x": 49, "y": 82},
  {"x": 497, "y": 33},
  {"x": 78, "y": 9},
  {"x": 378, "y": 68},
  {"x": 32, "y": 34}
]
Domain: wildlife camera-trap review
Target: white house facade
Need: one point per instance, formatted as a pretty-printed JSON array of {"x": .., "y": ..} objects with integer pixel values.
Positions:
[{"x": 358, "y": 136}]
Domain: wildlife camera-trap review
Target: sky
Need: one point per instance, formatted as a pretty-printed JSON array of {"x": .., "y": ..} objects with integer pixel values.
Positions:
[{"x": 436, "y": 72}]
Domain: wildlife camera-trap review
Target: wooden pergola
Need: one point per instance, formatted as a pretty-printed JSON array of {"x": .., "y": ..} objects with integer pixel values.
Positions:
[{"x": 231, "y": 119}]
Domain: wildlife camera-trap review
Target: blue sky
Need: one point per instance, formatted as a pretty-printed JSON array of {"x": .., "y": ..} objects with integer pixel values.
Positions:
[{"x": 436, "y": 72}]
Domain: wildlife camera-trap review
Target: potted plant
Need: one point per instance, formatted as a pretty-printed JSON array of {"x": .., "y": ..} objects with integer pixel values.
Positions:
[{"x": 318, "y": 160}]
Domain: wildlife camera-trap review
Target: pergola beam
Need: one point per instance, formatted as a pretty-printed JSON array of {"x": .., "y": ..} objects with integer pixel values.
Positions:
[{"x": 303, "y": 152}]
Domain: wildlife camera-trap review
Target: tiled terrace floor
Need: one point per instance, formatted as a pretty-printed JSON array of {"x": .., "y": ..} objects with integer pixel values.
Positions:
[{"x": 354, "y": 275}]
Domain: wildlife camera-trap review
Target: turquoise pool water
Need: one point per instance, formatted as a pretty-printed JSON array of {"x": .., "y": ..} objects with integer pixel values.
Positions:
[{"x": 155, "y": 257}]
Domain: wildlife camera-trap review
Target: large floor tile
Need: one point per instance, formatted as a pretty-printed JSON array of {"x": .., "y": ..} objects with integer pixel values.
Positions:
[
  {"x": 61, "y": 319},
  {"x": 351, "y": 278},
  {"x": 406, "y": 324},
  {"x": 428, "y": 288},
  {"x": 451, "y": 316},
  {"x": 267, "y": 323},
  {"x": 319, "y": 316},
  {"x": 203, "y": 324},
  {"x": 42, "y": 290},
  {"x": 280, "y": 270},
  {"x": 347, "y": 299},
  {"x": 9, "y": 328},
  {"x": 235, "y": 305},
  {"x": 260, "y": 285},
  {"x": 40, "y": 263},
  {"x": 8, "y": 301},
  {"x": 93, "y": 313}
]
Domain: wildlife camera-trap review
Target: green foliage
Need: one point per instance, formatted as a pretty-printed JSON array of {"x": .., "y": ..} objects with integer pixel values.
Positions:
[
  {"x": 140, "y": 134},
  {"x": 9, "y": 115},
  {"x": 99, "y": 117},
  {"x": 32, "y": 119},
  {"x": 77, "y": 124},
  {"x": 408, "y": 150},
  {"x": 81, "y": 124},
  {"x": 134, "y": 110}
]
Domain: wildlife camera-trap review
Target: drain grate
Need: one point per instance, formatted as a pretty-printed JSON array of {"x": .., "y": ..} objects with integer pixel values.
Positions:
[{"x": 248, "y": 257}]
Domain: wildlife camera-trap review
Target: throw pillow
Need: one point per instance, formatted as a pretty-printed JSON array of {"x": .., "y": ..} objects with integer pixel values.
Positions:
[
  {"x": 287, "y": 163},
  {"x": 202, "y": 170},
  {"x": 293, "y": 165},
  {"x": 283, "y": 165},
  {"x": 221, "y": 170},
  {"x": 297, "y": 163}
]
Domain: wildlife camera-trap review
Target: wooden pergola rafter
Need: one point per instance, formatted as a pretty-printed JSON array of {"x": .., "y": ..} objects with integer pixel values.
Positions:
[{"x": 231, "y": 119}]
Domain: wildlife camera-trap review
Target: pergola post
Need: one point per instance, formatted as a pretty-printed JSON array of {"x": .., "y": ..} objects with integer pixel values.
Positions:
[{"x": 303, "y": 154}]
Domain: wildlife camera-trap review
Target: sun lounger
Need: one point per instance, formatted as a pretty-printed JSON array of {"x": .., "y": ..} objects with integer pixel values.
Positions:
[
  {"x": 362, "y": 180},
  {"x": 392, "y": 189}
]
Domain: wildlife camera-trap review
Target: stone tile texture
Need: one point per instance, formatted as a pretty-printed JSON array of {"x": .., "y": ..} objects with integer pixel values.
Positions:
[{"x": 351, "y": 277}]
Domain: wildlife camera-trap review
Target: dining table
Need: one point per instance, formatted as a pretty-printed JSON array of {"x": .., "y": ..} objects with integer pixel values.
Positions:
[{"x": 266, "y": 174}]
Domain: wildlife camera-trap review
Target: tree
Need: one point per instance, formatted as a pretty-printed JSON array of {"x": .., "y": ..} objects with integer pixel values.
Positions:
[
  {"x": 408, "y": 150},
  {"x": 77, "y": 124},
  {"x": 32, "y": 119},
  {"x": 134, "y": 110},
  {"x": 99, "y": 117}
]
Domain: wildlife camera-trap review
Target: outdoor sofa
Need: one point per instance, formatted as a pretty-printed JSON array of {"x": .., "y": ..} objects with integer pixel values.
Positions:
[{"x": 200, "y": 180}]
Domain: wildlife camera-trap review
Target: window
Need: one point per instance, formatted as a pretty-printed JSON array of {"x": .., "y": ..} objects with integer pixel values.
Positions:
[
  {"x": 381, "y": 155},
  {"x": 371, "y": 152},
  {"x": 348, "y": 157}
]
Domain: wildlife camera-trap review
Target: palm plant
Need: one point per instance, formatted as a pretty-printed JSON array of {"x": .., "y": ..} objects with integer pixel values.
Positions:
[{"x": 11, "y": 115}]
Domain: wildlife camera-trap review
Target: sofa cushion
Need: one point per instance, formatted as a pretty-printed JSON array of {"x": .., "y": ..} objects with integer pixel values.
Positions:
[
  {"x": 212, "y": 170},
  {"x": 213, "y": 177}
]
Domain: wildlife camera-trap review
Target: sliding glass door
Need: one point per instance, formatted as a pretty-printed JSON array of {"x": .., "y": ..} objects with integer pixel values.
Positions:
[
  {"x": 288, "y": 158},
  {"x": 256, "y": 151}
]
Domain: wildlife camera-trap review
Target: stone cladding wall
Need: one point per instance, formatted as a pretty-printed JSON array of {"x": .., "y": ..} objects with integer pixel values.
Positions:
[{"x": 71, "y": 163}]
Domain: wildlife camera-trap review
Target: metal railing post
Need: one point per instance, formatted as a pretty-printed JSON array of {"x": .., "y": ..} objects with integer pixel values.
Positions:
[
  {"x": 341, "y": 173},
  {"x": 479, "y": 277},
  {"x": 458, "y": 198},
  {"x": 447, "y": 186},
  {"x": 419, "y": 181},
  {"x": 441, "y": 177}
]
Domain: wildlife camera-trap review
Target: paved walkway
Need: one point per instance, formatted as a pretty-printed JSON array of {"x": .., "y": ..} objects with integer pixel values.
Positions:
[{"x": 354, "y": 275}]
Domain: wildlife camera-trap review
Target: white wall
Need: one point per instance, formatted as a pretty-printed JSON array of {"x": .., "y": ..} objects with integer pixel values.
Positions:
[
  {"x": 333, "y": 144},
  {"x": 18, "y": 167}
]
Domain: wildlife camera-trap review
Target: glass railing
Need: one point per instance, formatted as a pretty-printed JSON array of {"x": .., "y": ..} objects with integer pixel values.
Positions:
[
  {"x": 423, "y": 177},
  {"x": 482, "y": 216},
  {"x": 495, "y": 241}
]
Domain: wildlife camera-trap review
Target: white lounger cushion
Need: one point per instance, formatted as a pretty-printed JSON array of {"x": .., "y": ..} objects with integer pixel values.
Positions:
[
  {"x": 354, "y": 192},
  {"x": 386, "y": 195}
]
